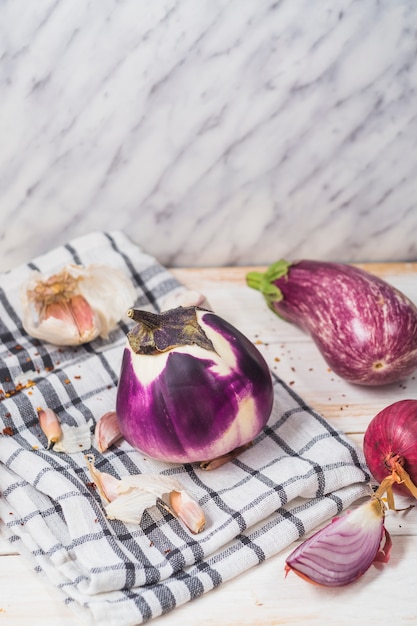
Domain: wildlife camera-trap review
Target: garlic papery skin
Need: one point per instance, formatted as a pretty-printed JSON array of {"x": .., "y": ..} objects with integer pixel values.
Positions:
[
  {"x": 76, "y": 305},
  {"x": 127, "y": 498},
  {"x": 74, "y": 438},
  {"x": 129, "y": 507},
  {"x": 65, "y": 438}
]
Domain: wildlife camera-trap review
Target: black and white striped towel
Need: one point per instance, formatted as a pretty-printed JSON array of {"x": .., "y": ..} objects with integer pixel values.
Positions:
[{"x": 299, "y": 473}]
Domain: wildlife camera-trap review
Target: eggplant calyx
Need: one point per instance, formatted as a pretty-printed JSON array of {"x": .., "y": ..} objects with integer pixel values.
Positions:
[
  {"x": 264, "y": 281},
  {"x": 159, "y": 332}
]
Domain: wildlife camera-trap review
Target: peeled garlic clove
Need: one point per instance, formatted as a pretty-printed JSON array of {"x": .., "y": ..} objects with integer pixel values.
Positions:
[
  {"x": 49, "y": 423},
  {"x": 75, "y": 305},
  {"x": 107, "y": 431}
]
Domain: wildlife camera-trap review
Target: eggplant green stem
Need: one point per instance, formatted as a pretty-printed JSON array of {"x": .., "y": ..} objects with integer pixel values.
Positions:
[{"x": 264, "y": 281}]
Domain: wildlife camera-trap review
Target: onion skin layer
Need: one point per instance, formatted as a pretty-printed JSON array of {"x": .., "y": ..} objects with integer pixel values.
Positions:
[
  {"x": 190, "y": 404},
  {"x": 365, "y": 329},
  {"x": 391, "y": 433}
]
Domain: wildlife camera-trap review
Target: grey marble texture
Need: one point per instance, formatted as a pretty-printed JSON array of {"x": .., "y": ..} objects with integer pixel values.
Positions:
[{"x": 213, "y": 132}]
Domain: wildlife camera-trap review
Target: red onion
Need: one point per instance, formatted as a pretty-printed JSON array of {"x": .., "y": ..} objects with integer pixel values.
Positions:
[
  {"x": 343, "y": 550},
  {"x": 390, "y": 448}
]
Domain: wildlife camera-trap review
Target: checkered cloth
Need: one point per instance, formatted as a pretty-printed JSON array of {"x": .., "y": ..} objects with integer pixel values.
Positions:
[{"x": 299, "y": 473}]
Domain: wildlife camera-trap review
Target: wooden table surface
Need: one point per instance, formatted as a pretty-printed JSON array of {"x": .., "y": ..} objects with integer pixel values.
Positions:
[{"x": 262, "y": 596}]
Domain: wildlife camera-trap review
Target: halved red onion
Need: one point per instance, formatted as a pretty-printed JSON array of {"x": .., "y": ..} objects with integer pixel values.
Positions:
[{"x": 343, "y": 550}]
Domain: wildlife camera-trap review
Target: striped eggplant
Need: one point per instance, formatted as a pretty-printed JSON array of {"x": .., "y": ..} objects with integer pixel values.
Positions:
[{"x": 365, "y": 329}]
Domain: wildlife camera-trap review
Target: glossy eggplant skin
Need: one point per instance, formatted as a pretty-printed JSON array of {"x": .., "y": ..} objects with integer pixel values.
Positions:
[
  {"x": 190, "y": 403},
  {"x": 365, "y": 329}
]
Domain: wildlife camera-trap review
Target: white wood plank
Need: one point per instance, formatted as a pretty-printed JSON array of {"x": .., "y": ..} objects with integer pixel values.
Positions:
[{"x": 27, "y": 598}]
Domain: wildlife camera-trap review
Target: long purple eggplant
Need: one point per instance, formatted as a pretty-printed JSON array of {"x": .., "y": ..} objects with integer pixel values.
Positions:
[{"x": 365, "y": 329}]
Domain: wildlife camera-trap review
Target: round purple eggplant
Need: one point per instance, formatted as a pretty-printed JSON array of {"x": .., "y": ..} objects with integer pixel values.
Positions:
[
  {"x": 192, "y": 387},
  {"x": 365, "y": 329}
]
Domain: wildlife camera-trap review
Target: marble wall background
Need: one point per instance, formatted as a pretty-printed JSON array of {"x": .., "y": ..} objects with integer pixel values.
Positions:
[{"x": 211, "y": 131}]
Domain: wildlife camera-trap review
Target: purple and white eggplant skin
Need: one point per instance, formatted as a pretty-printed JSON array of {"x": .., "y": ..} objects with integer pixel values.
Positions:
[
  {"x": 181, "y": 402},
  {"x": 365, "y": 329}
]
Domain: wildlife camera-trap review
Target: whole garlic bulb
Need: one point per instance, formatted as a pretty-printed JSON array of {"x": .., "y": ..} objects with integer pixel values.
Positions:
[{"x": 75, "y": 305}]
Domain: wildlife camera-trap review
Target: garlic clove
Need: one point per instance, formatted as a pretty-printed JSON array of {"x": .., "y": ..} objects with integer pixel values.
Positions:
[
  {"x": 82, "y": 313},
  {"x": 184, "y": 297},
  {"x": 106, "y": 484},
  {"x": 59, "y": 311},
  {"x": 69, "y": 321},
  {"x": 50, "y": 425},
  {"x": 188, "y": 510},
  {"x": 107, "y": 431},
  {"x": 75, "y": 305}
]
